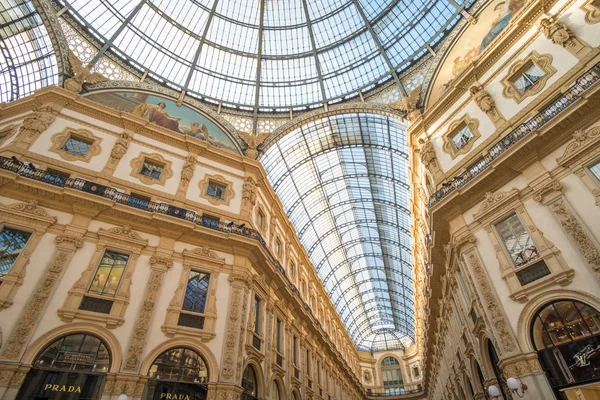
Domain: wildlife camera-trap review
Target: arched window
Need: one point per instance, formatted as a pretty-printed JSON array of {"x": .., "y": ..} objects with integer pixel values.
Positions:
[
  {"x": 392, "y": 376},
  {"x": 480, "y": 375},
  {"x": 72, "y": 367},
  {"x": 566, "y": 335},
  {"x": 181, "y": 371},
  {"x": 295, "y": 395},
  {"x": 249, "y": 384},
  {"x": 276, "y": 393}
]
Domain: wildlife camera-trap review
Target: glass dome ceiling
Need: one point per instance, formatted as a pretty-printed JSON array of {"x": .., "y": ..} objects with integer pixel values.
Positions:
[
  {"x": 268, "y": 54},
  {"x": 343, "y": 183}
]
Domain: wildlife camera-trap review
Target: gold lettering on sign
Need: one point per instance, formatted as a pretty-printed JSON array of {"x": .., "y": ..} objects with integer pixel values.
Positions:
[
  {"x": 62, "y": 388},
  {"x": 174, "y": 396}
]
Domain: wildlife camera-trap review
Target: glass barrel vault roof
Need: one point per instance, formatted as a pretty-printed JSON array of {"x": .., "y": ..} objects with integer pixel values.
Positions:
[
  {"x": 343, "y": 183},
  {"x": 268, "y": 54}
]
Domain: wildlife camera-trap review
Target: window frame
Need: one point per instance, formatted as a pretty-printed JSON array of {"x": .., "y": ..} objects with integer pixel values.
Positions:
[
  {"x": 207, "y": 262},
  {"x": 60, "y": 139},
  {"x": 97, "y": 270},
  {"x": 152, "y": 158},
  {"x": 220, "y": 180},
  {"x": 542, "y": 61},
  {"x": 454, "y": 128}
]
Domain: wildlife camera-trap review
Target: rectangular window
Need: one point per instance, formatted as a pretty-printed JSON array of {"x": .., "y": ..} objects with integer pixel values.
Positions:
[
  {"x": 456, "y": 311},
  {"x": 416, "y": 372},
  {"x": 77, "y": 145},
  {"x": 595, "y": 170},
  {"x": 152, "y": 169},
  {"x": 528, "y": 76},
  {"x": 196, "y": 292},
  {"x": 462, "y": 136},
  {"x": 257, "y": 315},
  {"x": 463, "y": 285},
  {"x": 292, "y": 270},
  {"x": 295, "y": 351},
  {"x": 278, "y": 247},
  {"x": 319, "y": 372},
  {"x": 517, "y": 240},
  {"x": 109, "y": 273},
  {"x": 278, "y": 335},
  {"x": 260, "y": 219},
  {"x": 307, "y": 362},
  {"x": 210, "y": 221},
  {"x": 216, "y": 190},
  {"x": 12, "y": 242}
]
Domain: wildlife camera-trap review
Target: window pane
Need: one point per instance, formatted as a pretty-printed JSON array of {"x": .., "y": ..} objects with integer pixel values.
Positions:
[
  {"x": 109, "y": 273},
  {"x": 595, "y": 169},
  {"x": 216, "y": 190},
  {"x": 462, "y": 137},
  {"x": 196, "y": 292},
  {"x": 77, "y": 146},
  {"x": 12, "y": 241},
  {"x": 151, "y": 170},
  {"x": 591, "y": 317},
  {"x": 517, "y": 240}
]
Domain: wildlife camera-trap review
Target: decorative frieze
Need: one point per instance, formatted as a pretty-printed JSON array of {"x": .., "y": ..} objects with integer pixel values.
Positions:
[
  {"x": 491, "y": 303},
  {"x": 159, "y": 266},
  {"x": 36, "y": 306}
]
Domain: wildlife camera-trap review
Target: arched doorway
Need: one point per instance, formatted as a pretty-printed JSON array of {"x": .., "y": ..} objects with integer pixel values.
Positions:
[
  {"x": 178, "y": 373},
  {"x": 566, "y": 336},
  {"x": 392, "y": 376},
  {"x": 73, "y": 367},
  {"x": 494, "y": 360},
  {"x": 249, "y": 384}
]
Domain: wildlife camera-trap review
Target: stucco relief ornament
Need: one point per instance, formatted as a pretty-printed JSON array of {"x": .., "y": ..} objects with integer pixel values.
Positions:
[
  {"x": 81, "y": 75},
  {"x": 409, "y": 104},
  {"x": 120, "y": 147},
  {"x": 188, "y": 170},
  {"x": 31, "y": 207},
  {"x": 249, "y": 191},
  {"x": 556, "y": 31},
  {"x": 252, "y": 142},
  {"x": 37, "y": 122},
  {"x": 486, "y": 103}
]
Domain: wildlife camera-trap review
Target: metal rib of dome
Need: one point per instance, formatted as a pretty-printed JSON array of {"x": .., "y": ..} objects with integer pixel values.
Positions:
[
  {"x": 265, "y": 54},
  {"x": 343, "y": 183}
]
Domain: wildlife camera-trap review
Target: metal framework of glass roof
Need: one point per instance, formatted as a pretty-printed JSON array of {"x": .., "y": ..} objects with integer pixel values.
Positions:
[
  {"x": 27, "y": 59},
  {"x": 266, "y": 54},
  {"x": 343, "y": 183}
]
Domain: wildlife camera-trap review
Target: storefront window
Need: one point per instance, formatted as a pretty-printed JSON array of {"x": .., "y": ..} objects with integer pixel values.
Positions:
[
  {"x": 71, "y": 368},
  {"x": 249, "y": 384},
  {"x": 566, "y": 335},
  {"x": 178, "y": 373}
]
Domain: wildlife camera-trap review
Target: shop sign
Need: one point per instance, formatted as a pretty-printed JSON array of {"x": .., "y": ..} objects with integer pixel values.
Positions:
[
  {"x": 63, "y": 388},
  {"x": 174, "y": 396},
  {"x": 77, "y": 358}
]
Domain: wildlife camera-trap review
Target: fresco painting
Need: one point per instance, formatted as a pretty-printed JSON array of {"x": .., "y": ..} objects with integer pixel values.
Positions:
[
  {"x": 166, "y": 113},
  {"x": 473, "y": 41}
]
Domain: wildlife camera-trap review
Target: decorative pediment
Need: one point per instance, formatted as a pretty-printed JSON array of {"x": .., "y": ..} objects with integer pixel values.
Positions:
[
  {"x": 493, "y": 201},
  {"x": 203, "y": 253},
  {"x": 583, "y": 140},
  {"x": 124, "y": 235},
  {"x": 30, "y": 211}
]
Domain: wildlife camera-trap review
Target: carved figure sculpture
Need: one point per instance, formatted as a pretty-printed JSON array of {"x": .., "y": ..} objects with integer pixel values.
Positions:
[
  {"x": 81, "y": 74},
  {"x": 252, "y": 142},
  {"x": 409, "y": 103}
]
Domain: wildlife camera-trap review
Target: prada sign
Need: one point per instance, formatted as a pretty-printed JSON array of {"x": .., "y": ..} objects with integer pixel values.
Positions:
[
  {"x": 62, "y": 385},
  {"x": 62, "y": 388},
  {"x": 165, "y": 390}
]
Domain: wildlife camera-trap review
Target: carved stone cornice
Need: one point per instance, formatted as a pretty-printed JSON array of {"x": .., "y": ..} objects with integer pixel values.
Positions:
[{"x": 159, "y": 260}]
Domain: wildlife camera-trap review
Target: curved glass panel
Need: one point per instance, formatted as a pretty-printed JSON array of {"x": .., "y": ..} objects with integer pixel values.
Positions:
[
  {"x": 179, "y": 365},
  {"x": 77, "y": 352},
  {"x": 343, "y": 183},
  {"x": 297, "y": 52},
  {"x": 27, "y": 60}
]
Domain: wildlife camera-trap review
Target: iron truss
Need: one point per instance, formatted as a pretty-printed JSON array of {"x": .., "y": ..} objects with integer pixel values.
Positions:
[
  {"x": 267, "y": 55},
  {"x": 343, "y": 183}
]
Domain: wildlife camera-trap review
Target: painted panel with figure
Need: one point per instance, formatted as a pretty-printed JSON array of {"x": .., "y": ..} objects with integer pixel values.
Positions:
[
  {"x": 473, "y": 42},
  {"x": 166, "y": 113}
]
